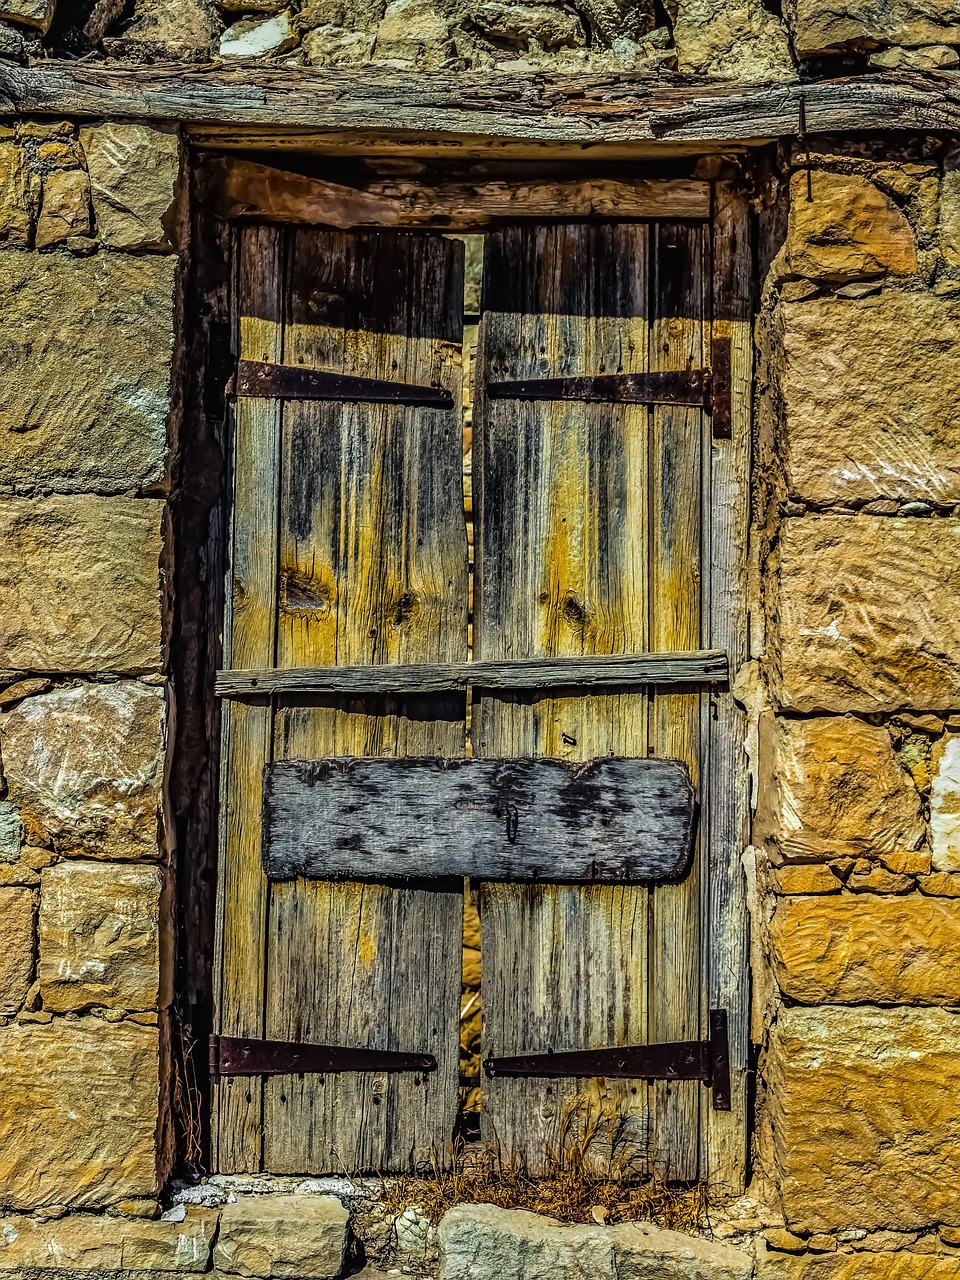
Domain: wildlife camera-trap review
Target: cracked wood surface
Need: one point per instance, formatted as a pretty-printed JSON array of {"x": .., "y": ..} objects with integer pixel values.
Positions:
[{"x": 228, "y": 106}]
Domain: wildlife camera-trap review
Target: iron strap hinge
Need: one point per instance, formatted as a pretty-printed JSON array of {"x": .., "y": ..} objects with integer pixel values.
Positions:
[
  {"x": 683, "y": 386},
  {"x": 706, "y": 1060},
  {"x": 293, "y": 382},
  {"x": 230, "y": 1056}
]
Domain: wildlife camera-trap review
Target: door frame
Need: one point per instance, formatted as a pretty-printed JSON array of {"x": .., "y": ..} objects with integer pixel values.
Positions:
[{"x": 725, "y": 816}]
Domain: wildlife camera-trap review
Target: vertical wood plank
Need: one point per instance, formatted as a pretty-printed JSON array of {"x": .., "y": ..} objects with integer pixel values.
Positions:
[
  {"x": 727, "y": 788},
  {"x": 561, "y": 545},
  {"x": 373, "y": 568},
  {"x": 676, "y": 342},
  {"x": 250, "y": 637}
]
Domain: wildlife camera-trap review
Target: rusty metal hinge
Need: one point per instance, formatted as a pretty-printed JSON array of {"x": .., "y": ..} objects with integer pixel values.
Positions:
[
  {"x": 230, "y": 1056},
  {"x": 293, "y": 382},
  {"x": 706, "y": 1060},
  {"x": 683, "y": 386}
]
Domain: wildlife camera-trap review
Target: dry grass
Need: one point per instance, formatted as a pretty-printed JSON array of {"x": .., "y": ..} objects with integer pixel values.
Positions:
[{"x": 569, "y": 1193}]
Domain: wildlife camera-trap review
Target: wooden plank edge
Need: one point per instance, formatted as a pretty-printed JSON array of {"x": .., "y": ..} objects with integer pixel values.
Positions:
[{"x": 695, "y": 667}]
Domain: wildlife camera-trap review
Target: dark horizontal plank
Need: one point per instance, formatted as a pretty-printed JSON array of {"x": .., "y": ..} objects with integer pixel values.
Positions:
[
  {"x": 692, "y": 667},
  {"x": 294, "y": 382},
  {"x": 546, "y": 820},
  {"x": 607, "y": 113},
  {"x": 236, "y": 188},
  {"x": 685, "y": 386}
]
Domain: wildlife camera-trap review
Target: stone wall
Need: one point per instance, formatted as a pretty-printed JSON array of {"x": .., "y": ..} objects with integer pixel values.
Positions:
[
  {"x": 88, "y": 312},
  {"x": 857, "y": 920},
  {"x": 744, "y": 40}
]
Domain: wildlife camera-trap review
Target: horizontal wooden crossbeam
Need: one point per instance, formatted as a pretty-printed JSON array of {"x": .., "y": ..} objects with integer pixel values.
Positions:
[
  {"x": 609, "y": 114},
  {"x": 384, "y": 818},
  {"x": 694, "y": 667}
]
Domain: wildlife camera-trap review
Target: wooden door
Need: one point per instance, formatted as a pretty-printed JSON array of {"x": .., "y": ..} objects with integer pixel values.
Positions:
[
  {"x": 589, "y": 541},
  {"x": 601, "y": 529},
  {"x": 349, "y": 547}
]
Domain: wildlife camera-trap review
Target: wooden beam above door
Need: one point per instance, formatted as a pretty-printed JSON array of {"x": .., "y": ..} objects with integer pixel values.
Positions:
[
  {"x": 242, "y": 189},
  {"x": 381, "y": 109}
]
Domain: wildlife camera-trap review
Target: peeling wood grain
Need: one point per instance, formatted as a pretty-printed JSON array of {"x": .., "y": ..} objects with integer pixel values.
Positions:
[
  {"x": 607, "y": 820},
  {"x": 378, "y": 106}
]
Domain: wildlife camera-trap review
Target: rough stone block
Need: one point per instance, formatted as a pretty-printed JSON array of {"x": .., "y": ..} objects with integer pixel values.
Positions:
[
  {"x": 17, "y": 194},
  {"x": 950, "y": 217},
  {"x": 857, "y": 1266},
  {"x": 86, "y": 765},
  {"x": 884, "y": 424},
  {"x": 31, "y": 13},
  {"x": 849, "y": 24},
  {"x": 869, "y": 614},
  {"x": 134, "y": 172},
  {"x": 862, "y": 1109},
  {"x": 742, "y": 41},
  {"x": 294, "y": 1237},
  {"x": 850, "y": 950},
  {"x": 17, "y": 950},
  {"x": 11, "y": 832},
  {"x": 99, "y": 928},
  {"x": 482, "y": 1240},
  {"x": 176, "y": 30},
  {"x": 79, "y": 584},
  {"x": 849, "y": 230},
  {"x": 84, "y": 1242},
  {"x": 92, "y": 341},
  {"x": 832, "y": 786},
  {"x": 66, "y": 208},
  {"x": 945, "y": 804},
  {"x": 79, "y": 1110}
]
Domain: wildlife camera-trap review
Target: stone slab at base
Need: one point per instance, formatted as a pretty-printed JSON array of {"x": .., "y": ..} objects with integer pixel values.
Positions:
[
  {"x": 484, "y": 1242},
  {"x": 280, "y": 1237}
]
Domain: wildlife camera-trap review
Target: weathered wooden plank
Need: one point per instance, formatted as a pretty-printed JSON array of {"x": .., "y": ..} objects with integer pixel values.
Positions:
[
  {"x": 381, "y": 107},
  {"x": 561, "y": 514},
  {"x": 372, "y": 568},
  {"x": 677, "y": 340},
  {"x": 584, "y": 671},
  {"x": 250, "y": 637},
  {"x": 727, "y": 788},
  {"x": 547, "y": 820},
  {"x": 238, "y": 189}
]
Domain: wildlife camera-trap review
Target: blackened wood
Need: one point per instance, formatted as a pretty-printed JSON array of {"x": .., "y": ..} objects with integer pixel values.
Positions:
[
  {"x": 581, "y": 673},
  {"x": 688, "y": 386},
  {"x": 402, "y": 109},
  {"x": 233, "y": 1057},
  {"x": 294, "y": 382},
  {"x": 515, "y": 820}
]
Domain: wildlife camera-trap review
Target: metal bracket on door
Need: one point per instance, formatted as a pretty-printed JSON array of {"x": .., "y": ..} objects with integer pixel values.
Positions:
[
  {"x": 230, "y": 1056},
  {"x": 294, "y": 382},
  {"x": 707, "y": 1060}
]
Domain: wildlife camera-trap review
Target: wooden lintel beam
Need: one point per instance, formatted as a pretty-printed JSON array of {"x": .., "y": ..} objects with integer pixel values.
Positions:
[
  {"x": 235, "y": 188},
  {"x": 694, "y": 667},
  {"x": 617, "y": 112}
]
